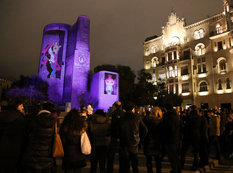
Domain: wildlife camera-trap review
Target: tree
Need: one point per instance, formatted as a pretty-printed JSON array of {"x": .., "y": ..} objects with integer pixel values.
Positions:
[{"x": 144, "y": 90}]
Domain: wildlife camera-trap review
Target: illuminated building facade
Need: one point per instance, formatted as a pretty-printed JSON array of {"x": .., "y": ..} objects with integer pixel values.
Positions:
[{"x": 195, "y": 61}]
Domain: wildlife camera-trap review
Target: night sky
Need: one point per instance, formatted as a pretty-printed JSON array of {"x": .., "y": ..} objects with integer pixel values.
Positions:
[{"x": 117, "y": 31}]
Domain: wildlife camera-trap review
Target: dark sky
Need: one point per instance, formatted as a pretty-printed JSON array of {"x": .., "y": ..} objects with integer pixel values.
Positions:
[{"x": 118, "y": 28}]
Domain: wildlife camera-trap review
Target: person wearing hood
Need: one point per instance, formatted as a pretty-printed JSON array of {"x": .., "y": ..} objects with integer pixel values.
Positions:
[
  {"x": 100, "y": 131},
  {"x": 152, "y": 143},
  {"x": 37, "y": 157},
  {"x": 12, "y": 136}
]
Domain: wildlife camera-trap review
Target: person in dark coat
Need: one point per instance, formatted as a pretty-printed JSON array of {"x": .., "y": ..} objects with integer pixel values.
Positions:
[
  {"x": 203, "y": 139},
  {"x": 171, "y": 137},
  {"x": 152, "y": 142},
  {"x": 100, "y": 129},
  {"x": 37, "y": 156},
  {"x": 132, "y": 130},
  {"x": 114, "y": 146},
  {"x": 192, "y": 137},
  {"x": 71, "y": 130},
  {"x": 12, "y": 136}
]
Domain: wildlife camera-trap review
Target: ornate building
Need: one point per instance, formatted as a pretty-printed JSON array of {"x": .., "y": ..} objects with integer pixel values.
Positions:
[{"x": 195, "y": 61}]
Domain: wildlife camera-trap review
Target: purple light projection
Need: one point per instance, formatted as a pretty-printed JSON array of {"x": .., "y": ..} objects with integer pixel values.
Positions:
[
  {"x": 77, "y": 62},
  {"x": 104, "y": 87},
  {"x": 52, "y": 59}
]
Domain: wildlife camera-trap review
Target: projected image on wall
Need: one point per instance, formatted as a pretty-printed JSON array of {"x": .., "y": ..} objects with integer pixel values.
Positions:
[
  {"x": 49, "y": 58},
  {"x": 110, "y": 84}
]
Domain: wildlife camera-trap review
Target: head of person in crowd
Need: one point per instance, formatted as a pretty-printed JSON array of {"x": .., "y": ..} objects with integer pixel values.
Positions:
[
  {"x": 16, "y": 104},
  {"x": 117, "y": 105},
  {"x": 200, "y": 112},
  {"x": 48, "y": 105},
  {"x": 100, "y": 112},
  {"x": 156, "y": 112},
  {"x": 129, "y": 107},
  {"x": 230, "y": 117},
  {"x": 73, "y": 123},
  {"x": 89, "y": 109},
  {"x": 168, "y": 108}
]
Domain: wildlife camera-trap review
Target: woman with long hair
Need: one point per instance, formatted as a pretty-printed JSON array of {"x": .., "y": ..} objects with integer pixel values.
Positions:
[{"x": 71, "y": 130}]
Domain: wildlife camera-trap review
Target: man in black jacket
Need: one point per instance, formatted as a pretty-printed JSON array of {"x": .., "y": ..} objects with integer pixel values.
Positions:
[
  {"x": 131, "y": 130},
  {"x": 114, "y": 146},
  {"x": 37, "y": 157},
  {"x": 12, "y": 136},
  {"x": 171, "y": 136}
]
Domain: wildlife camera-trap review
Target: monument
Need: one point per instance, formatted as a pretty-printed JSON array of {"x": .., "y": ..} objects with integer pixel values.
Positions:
[{"x": 65, "y": 64}]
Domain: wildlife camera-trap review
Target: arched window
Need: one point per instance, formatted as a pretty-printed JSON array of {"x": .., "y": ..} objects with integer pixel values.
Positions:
[
  {"x": 198, "y": 34},
  {"x": 154, "y": 61},
  {"x": 153, "y": 49},
  {"x": 222, "y": 66},
  {"x": 203, "y": 86},
  {"x": 200, "y": 49},
  {"x": 218, "y": 28},
  {"x": 147, "y": 52},
  {"x": 219, "y": 84},
  {"x": 201, "y": 33},
  {"x": 170, "y": 71},
  {"x": 228, "y": 83}
]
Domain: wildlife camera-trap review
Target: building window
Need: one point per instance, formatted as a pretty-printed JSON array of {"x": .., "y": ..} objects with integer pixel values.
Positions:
[
  {"x": 218, "y": 29},
  {"x": 200, "y": 49},
  {"x": 185, "y": 87},
  {"x": 201, "y": 65},
  {"x": 222, "y": 66},
  {"x": 163, "y": 60},
  {"x": 154, "y": 78},
  {"x": 219, "y": 84},
  {"x": 175, "y": 55},
  {"x": 186, "y": 54},
  {"x": 153, "y": 49},
  {"x": 220, "y": 47},
  {"x": 171, "y": 89},
  {"x": 169, "y": 56},
  {"x": 198, "y": 34},
  {"x": 184, "y": 70},
  {"x": 170, "y": 71},
  {"x": 176, "y": 71},
  {"x": 154, "y": 61},
  {"x": 177, "y": 89},
  {"x": 228, "y": 83},
  {"x": 203, "y": 86}
]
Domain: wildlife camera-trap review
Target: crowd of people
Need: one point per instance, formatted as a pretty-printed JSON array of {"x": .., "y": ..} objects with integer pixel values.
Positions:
[{"x": 26, "y": 141}]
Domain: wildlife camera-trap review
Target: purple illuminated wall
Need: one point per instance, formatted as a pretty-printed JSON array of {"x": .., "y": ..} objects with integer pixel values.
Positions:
[
  {"x": 52, "y": 59},
  {"x": 77, "y": 62},
  {"x": 105, "y": 88}
]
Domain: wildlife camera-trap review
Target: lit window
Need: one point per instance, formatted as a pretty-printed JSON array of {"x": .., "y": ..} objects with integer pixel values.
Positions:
[
  {"x": 196, "y": 35},
  {"x": 176, "y": 71},
  {"x": 147, "y": 52},
  {"x": 170, "y": 71},
  {"x": 154, "y": 61},
  {"x": 201, "y": 65},
  {"x": 153, "y": 49},
  {"x": 201, "y": 33},
  {"x": 218, "y": 29},
  {"x": 154, "y": 78},
  {"x": 219, "y": 84},
  {"x": 222, "y": 66},
  {"x": 200, "y": 49},
  {"x": 203, "y": 86},
  {"x": 228, "y": 83}
]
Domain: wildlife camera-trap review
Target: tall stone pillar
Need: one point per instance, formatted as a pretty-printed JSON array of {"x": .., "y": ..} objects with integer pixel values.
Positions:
[{"x": 77, "y": 62}]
